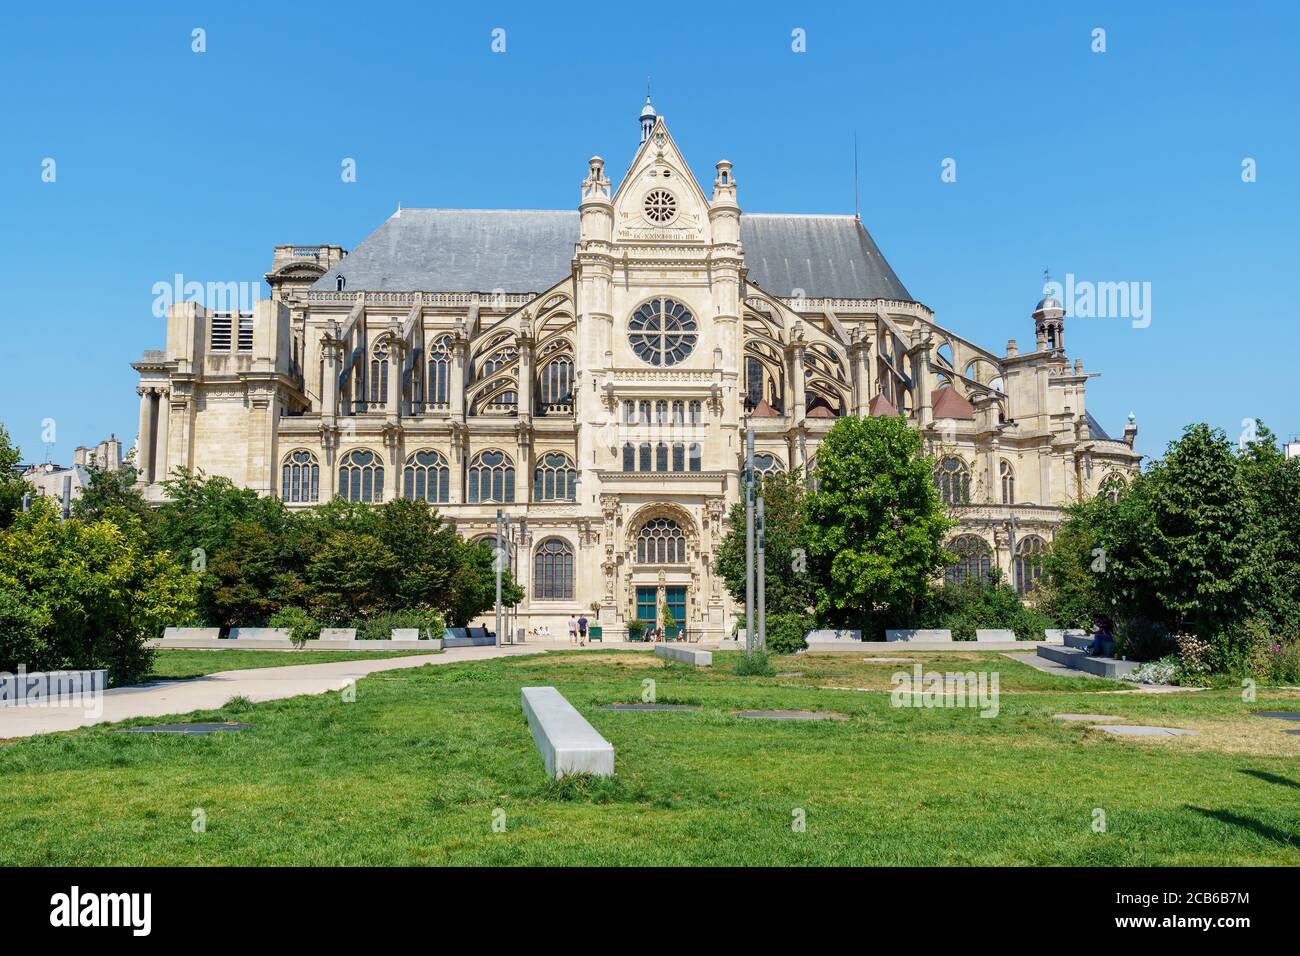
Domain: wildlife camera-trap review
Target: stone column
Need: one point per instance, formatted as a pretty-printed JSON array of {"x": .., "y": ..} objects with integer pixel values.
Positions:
[
  {"x": 161, "y": 449},
  {"x": 797, "y": 382},
  {"x": 456, "y": 387},
  {"x": 523, "y": 464},
  {"x": 456, "y": 465},
  {"x": 144, "y": 447},
  {"x": 393, "y": 408}
]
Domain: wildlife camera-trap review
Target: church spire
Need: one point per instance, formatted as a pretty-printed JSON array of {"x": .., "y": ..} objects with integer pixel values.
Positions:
[{"x": 647, "y": 114}]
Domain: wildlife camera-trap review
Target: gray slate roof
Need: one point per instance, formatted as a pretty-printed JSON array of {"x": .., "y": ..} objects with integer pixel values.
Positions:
[
  {"x": 1094, "y": 428},
  {"x": 826, "y": 256},
  {"x": 529, "y": 250}
]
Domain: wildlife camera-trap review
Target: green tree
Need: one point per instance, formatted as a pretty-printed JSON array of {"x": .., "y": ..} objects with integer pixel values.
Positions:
[
  {"x": 1069, "y": 590},
  {"x": 92, "y": 590},
  {"x": 253, "y": 575},
  {"x": 875, "y": 524},
  {"x": 201, "y": 512},
  {"x": 110, "y": 494},
  {"x": 1273, "y": 481},
  {"x": 350, "y": 576},
  {"x": 787, "y": 583},
  {"x": 12, "y": 485},
  {"x": 1179, "y": 543}
]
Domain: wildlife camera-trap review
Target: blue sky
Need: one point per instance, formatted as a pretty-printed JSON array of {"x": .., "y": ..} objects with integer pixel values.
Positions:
[{"x": 1117, "y": 166}]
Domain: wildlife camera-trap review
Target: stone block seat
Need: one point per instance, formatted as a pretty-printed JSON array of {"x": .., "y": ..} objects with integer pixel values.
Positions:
[{"x": 567, "y": 742}]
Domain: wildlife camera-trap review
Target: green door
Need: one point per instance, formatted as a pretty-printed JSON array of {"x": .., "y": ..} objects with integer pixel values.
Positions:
[
  {"x": 675, "y": 598},
  {"x": 645, "y": 606}
]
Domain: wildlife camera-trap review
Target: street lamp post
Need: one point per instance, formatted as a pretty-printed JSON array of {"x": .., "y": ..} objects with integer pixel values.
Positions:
[
  {"x": 760, "y": 562},
  {"x": 500, "y": 560},
  {"x": 749, "y": 537}
]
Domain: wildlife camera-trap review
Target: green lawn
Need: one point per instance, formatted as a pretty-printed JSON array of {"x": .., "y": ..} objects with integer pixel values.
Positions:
[
  {"x": 174, "y": 663},
  {"x": 413, "y": 770}
]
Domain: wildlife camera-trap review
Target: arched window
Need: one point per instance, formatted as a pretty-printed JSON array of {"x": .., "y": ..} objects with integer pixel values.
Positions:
[
  {"x": 361, "y": 476},
  {"x": 440, "y": 371},
  {"x": 644, "y": 408},
  {"x": 679, "y": 456},
  {"x": 629, "y": 413},
  {"x": 952, "y": 478},
  {"x": 694, "y": 454},
  {"x": 503, "y": 398},
  {"x": 661, "y": 457},
  {"x": 629, "y": 457},
  {"x": 556, "y": 385},
  {"x": 1111, "y": 487},
  {"x": 553, "y": 571},
  {"x": 555, "y": 478},
  {"x": 300, "y": 479},
  {"x": 426, "y": 477},
  {"x": 491, "y": 478},
  {"x": 765, "y": 464},
  {"x": 679, "y": 413},
  {"x": 1008, "y": 478},
  {"x": 661, "y": 541},
  {"x": 697, "y": 413},
  {"x": 661, "y": 413},
  {"x": 753, "y": 381},
  {"x": 974, "y": 560},
  {"x": 379, "y": 374},
  {"x": 644, "y": 457},
  {"x": 1029, "y": 563},
  {"x": 499, "y": 359}
]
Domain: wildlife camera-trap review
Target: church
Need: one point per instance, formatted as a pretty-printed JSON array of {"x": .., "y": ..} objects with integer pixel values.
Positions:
[{"x": 593, "y": 372}]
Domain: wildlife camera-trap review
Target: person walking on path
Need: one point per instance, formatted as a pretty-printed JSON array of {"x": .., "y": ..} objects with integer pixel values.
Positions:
[
  {"x": 582, "y": 631},
  {"x": 573, "y": 629}
]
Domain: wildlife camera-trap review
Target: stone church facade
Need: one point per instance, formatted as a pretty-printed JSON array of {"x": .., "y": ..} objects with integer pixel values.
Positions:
[{"x": 593, "y": 373}]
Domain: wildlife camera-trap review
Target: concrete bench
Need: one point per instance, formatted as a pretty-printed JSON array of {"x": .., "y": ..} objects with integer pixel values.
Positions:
[
  {"x": 1058, "y": 635},
  {"x": 338, "y": 634},
  {"x": 405, "y": 634},
  {"x": 994, "y": 634},
  {"x": 190, "y": 633},
  {"x": 260, "y": 633},
  {"x": 919, "y": 635},
  {"x": 832, "y": 634},
  {"x": 567, "y": 742},
  {"x": 684, "y": 655}
]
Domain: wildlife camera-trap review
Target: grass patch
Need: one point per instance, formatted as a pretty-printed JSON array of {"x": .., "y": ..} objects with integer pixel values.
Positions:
[
  {"x": 183, "y": 664},
  {"x": 420, "y": 767}
]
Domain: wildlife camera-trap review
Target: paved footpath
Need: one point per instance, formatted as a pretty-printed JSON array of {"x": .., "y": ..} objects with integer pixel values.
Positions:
[{"x": 163, "y": 698}]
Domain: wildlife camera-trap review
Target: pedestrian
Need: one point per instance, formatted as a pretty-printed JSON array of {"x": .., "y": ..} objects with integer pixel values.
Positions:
[
  {"x": 573, "y": 629},
  {"x": 582, "y": 631}
]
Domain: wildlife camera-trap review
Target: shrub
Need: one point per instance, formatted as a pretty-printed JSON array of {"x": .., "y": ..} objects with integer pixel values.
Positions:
[
  {"x": 1142, "y": 640},
  {"x": 1280, "y": 663},
  {"x": 380, "y": 626},
  {"x": 755, "y": 665},
  {"x": 787, "y": 632},
  {"x": 1194, "y": 660},
  {"x": 87, "y": 594},
  {"x": 635, "y": 629},
  {"x": 302, "y": 626},
  {"x": 964, "y": 608},
  {"x": 1163, "y": 671}
]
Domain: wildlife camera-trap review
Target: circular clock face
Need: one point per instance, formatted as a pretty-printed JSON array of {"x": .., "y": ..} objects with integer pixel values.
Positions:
[
  {"x": 662, "y": 332},
  {"x": 660, "y": 207}
]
